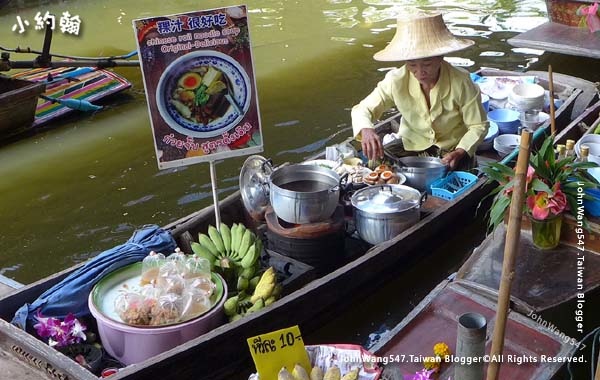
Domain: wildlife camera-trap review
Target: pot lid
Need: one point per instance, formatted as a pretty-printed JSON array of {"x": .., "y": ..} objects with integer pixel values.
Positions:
[
  {"x": 254, "y": 185},
  {"x": 386, "y": 198}
]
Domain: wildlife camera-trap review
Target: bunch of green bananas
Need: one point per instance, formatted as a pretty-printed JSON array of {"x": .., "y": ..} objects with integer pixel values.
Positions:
[
  {"x": 261, "y": 292},
  {"x": 233, "y": 252}
]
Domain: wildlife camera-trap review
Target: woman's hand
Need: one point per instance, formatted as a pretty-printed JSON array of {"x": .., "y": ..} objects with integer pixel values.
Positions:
[
  {"x": 453, "y": 158},
  {"x": 371, "y": 144}
]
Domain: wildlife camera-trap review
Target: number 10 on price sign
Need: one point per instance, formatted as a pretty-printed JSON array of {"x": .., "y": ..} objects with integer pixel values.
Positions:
[{"x": 277, "y": 349}]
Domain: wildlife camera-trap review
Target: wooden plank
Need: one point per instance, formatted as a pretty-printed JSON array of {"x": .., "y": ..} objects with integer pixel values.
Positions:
[
  {"x": 560, "y": 38},
  {"x": 435, "y": 319},
  {"x": 543, "y": 278}
]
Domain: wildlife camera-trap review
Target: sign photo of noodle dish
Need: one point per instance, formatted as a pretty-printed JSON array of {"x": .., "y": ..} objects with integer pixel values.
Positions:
[{"x": 200, "y": 85}]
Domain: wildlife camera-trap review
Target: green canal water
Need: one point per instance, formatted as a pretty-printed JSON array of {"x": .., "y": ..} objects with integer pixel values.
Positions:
[{"x": 84, "y": 185}]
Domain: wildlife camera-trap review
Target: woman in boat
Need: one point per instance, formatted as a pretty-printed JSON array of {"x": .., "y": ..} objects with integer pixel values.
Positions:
[{"x": 441, "y": 108}]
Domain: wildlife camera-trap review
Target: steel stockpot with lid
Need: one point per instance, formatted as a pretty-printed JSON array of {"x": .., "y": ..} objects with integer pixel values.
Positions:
[
  {"x": 383, "y": 211},
  {"x": 298, "y": 193},
  {"x": 421, "y": 172}
]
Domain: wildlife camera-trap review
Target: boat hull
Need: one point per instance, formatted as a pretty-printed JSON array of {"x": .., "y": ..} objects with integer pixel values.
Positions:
[{"x": 223, "y": 352}]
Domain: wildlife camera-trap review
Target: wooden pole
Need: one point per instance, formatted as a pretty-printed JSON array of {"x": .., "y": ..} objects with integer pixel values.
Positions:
[
  {"x": 511, "y": 248},
  {"x": 552, "y": 114}
]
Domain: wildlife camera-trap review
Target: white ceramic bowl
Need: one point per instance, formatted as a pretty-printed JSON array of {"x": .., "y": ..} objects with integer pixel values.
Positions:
[
  {"x": 504, "y": 144},
  {"x": 587, "y": 140},
  {"x": 527, "y": 96}
]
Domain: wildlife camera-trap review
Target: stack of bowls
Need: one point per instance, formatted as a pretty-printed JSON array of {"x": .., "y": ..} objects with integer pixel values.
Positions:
[
  {"x": 488, "y": 141},
  {"x": 504, "y": 144},
  {"x": 527, "y": 96},
  {"x": 506, "y": 119}
]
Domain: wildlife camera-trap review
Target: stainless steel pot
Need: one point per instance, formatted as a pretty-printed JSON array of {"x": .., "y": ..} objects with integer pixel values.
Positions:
[
  {"x": 304, "y": 193},
  {"x": 383, "y": 211},
  {"x": 421, "y": 172}
]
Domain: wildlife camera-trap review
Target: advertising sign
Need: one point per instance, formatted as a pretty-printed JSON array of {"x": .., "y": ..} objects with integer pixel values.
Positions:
[{"x": 200, "y": 85}]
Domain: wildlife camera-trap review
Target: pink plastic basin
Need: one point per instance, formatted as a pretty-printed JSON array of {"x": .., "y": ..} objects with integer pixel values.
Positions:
[{"x": 130, "y": 344}]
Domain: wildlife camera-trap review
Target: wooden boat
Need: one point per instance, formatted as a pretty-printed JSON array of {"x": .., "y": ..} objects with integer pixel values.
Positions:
[
  {"x": 543, "y": 279},
  {"x": 19, "y": 95},
  {"x": 435, "y": 319},
  {"x": 564, "y": 33},
  {"x": 223, "y": 353}
]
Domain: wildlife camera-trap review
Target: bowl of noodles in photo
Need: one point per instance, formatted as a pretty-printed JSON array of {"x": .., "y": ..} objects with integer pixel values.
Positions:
[{"x": 203, "y": 94}]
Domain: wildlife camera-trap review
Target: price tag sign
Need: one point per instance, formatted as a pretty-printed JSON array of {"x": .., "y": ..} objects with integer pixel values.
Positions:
[{"x": 277, "y": 349}]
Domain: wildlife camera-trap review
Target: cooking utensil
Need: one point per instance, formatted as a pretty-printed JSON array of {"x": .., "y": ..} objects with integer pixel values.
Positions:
[
  {"x": 383, "y": 211},
  {"x": 298, "y": 193},
  {"x": 421, "y": 172}
]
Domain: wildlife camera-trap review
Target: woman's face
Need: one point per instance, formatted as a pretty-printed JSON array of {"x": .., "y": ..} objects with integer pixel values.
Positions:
[{"x": 426, "y": 70}]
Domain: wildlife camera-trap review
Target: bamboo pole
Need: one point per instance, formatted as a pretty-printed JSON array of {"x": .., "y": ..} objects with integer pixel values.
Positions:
[
  {"x": 552, "y": 113},
  {"x": 511, "y": 248}
]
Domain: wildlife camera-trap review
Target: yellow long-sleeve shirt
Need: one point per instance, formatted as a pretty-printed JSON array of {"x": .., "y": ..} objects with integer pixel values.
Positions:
[{"x": 456, "y": 118}]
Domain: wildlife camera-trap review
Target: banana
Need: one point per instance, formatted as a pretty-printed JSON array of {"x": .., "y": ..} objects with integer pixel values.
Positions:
[
  {"x": 242, "y": 284},
  {"x": 208, "y": 244},
  {"x": 200, "y": 251},
  {"x": 259, "y": 304},
  {"x": 265, "y": 285},
  {"x": 234, "y": 243},
  {"x": 300, "y": 373},
  {"x": 245, "y": 244},
  {"x": 248, "y": 273},
  {"x": 238, "y": 239},
  {"x": 316, "y": 373},
  {"x": 216, "y": 238},
  {"x": 253, "y": 282},
  {"x": 230, "y": 306},
  {"x": 352, "y": 375},
  {"x": 333, "y": 373},
  {"x": 284, "y": 374},
  {"x": 226, "y": 236},
  {"x": 277, "y": 290},
  {"x": 250, "y": 258},
  {"x": 270, "y": 300}
]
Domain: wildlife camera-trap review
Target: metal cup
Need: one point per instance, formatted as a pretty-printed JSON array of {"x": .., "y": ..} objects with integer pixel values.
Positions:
[{"x": 470, "y": 347}]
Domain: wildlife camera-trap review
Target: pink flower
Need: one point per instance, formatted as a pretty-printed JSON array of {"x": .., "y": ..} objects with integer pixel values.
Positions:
[
  {"x": 60, "y": 334},
  {"x": 421, "y": 375},
  {"x": 538, "y": 204},
  {"x": 542, "y": 204}
]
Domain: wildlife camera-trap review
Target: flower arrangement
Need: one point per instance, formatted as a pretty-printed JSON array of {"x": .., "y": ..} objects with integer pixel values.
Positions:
[
  {"x": 60, "y": 333},
  {"x": 432, "y": 364},
  {"x": 551, "y": 185}
]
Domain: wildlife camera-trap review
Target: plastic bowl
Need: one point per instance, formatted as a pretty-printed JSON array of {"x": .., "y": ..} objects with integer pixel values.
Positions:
[
  {"x": 587, "y": 140},
  {"x": 527, "y": 96},
  {"x": 485, "y": 102},
  {"x": 506, "y": 119},
  {"x": 131, "y": 344}
]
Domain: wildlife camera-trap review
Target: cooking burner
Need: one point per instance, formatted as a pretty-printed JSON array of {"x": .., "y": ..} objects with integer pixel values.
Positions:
[
  {"x": 320, "y": 245},
  {"x": 308, "y": 230}
]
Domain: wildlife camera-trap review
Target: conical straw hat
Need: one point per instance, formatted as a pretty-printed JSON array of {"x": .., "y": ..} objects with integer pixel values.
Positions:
[{"x": 419, "y": 36}]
